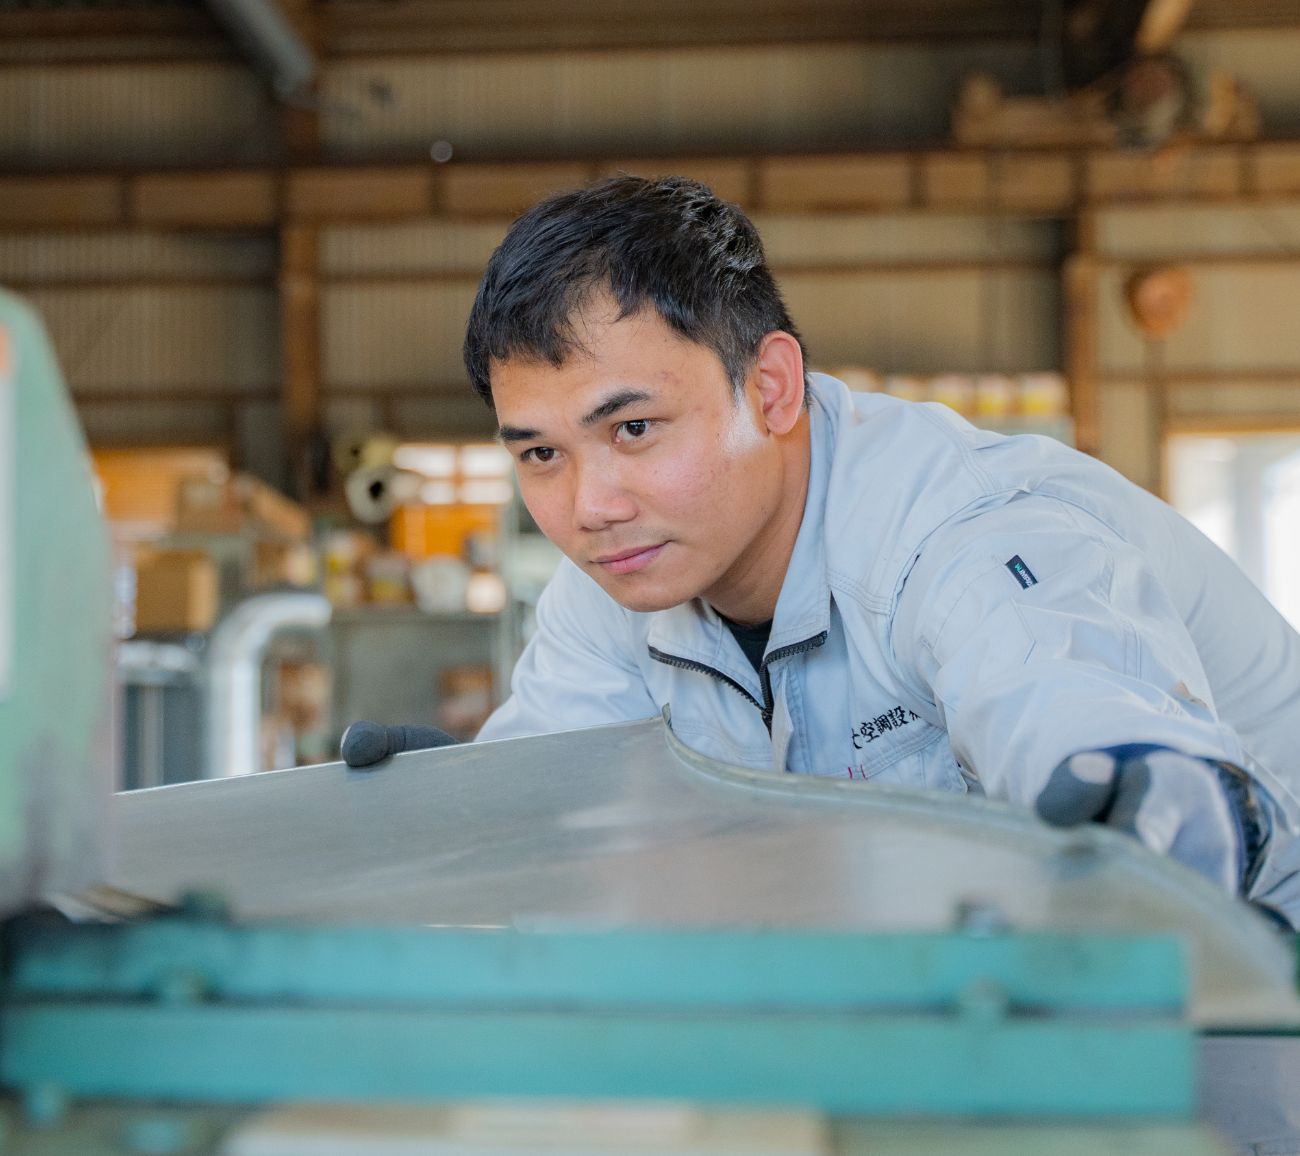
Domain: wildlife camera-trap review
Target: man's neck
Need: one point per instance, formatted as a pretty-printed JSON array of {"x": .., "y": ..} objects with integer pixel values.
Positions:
[{"x": 749, "y": 594}]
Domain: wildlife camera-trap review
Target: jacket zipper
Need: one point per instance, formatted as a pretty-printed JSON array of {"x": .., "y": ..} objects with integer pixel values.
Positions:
[
  {"x": 765, "y": 675},
  {"x": 702, "y": 668},
  {"x": 767, "y": 706}
]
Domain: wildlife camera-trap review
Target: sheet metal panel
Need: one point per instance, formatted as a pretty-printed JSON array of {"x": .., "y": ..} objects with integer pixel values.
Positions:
[
  {"x": 150, "y": 421},
  {"x": 622, "y": 826},
  {"x": 846, "y": 239},
  {"x": 115, "y": 114},
  {"x": 1263, "y": 58},
  {"x": 166, "y": 337},
  {"x": 410, "y": 247},
  {"x": 402, "y": 334},
  {"x": 1127, "y": 423},
  {"x": 1237, "y": 401},
  {"x": 644, "y": 101},
  {"x": 929, "y": 322},
  {"x": 1168, "y": 231},
  {"x": 129, "y": 255},
  {"x": 1240, "y": 318}
]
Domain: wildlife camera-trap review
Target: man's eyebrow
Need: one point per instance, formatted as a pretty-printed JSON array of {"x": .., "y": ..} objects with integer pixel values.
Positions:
[
  {"x": 514, "y": 433},
  {"x": 612, "y": 404}
]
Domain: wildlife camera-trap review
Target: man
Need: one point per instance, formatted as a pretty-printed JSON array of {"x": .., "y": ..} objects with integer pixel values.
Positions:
[{"x": 836, "y": 584}]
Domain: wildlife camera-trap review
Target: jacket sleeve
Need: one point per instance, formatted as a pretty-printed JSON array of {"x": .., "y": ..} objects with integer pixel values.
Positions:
[
  {"x": 578, "y": 670},
  {"x": 1038, "y": 633}
]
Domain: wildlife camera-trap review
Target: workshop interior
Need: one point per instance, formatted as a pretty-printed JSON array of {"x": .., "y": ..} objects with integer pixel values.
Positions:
[{"x": 247, "y": 497}]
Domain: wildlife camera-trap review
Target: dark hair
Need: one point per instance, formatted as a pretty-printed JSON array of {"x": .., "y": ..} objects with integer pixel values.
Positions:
[{"x": 668, "y": 244}]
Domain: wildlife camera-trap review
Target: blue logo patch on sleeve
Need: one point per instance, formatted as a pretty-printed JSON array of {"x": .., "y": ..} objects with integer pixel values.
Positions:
[{"x": 1022, "y": 573}]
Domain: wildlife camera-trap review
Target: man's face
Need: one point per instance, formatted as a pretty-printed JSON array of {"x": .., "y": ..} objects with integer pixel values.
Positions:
[{"x": 636, "y": 459}]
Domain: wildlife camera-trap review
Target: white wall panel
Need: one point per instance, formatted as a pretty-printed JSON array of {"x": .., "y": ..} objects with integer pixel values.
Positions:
[
  {"x": 1239, "y": 319},
  {"x": 1235, "y": 400},
  {"x": 446, "y": 415},
  {"x": 133, "y": 114},
  {"x": 164, "y": 339},
  {"x": 798, "y": 240},
  {"x": 1265, "y": 59},
  {"x": 1166, "y": 232},
  {"x": 844, "y": 239},
  {"x": 348, "y": 415},
  {"x": 408, "y": 334},
  {"x": 156, "y": 423},
  {"x": 929, "y": 322},
  {"x": 1126, "y": 431},
  {"x": 792, "y": 96},
  {"x": 395, "y": 335},
  {"x": 406, "y": 248},
  {"x": 259, "y": 441},
  {"x": 123, "y": 256}
]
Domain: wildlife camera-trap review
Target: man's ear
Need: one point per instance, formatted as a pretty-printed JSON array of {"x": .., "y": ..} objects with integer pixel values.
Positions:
[{"x": 778, "y": 376}]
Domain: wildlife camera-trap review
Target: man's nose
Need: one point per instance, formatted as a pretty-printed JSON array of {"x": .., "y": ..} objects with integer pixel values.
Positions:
[{"x": 600, "y": 497}]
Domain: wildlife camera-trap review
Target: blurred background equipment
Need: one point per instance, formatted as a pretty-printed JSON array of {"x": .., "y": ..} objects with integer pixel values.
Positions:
[
  {"x": 1112, "y": 79},
  {"x": 255, "y": 254}
]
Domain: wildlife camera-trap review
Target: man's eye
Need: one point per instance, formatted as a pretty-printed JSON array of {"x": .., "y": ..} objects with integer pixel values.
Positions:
[
  {"x": 538, "y": 455},
  {"x": 636, "y": 428}
]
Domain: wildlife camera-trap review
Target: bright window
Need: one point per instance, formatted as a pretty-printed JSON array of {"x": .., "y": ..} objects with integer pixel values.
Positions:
[{"x": 1243, "y": 492}]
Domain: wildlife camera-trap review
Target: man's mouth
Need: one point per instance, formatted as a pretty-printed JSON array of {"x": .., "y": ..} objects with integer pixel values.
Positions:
[{"x": 629, "y": 561}]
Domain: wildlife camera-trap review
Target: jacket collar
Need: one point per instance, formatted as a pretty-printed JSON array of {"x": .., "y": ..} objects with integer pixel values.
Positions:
[{"x": 695, "y": 631}]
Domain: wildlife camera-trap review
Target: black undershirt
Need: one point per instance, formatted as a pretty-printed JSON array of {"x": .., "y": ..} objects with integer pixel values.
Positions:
[{"x": 752, "y": 639}]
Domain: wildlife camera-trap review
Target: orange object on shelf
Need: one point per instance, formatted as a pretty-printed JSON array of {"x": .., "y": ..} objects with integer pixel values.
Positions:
[
  {"x": 236, "y": 504},
  {"x": 175, "y": 590},
  {"x": 139, "y": 485},
  {"x": 422, "y": 531}
]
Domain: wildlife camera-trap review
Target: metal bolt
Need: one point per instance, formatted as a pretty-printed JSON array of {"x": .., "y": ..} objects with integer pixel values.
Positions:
[
  {"x": 1080, "y": 857},
  {"x": 159, "y": 1135},
  {"x": 983, "y": 1002},
  {"x": 45, "y": 1105},
  {"x": 181, "y": 987},
  {"x": 980, "y": 918},
  {"x": 210, "y": 906}
]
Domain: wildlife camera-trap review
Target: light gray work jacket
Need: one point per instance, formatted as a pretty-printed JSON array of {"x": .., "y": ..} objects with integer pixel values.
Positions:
[{"x": 962, "y": 611}]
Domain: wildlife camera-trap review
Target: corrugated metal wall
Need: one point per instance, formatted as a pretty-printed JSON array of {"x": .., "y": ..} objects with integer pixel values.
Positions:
[
  {"x": 196, "y": 317},
  {"x": 101, "y": 114},
  {"x": 60, "y": 258},
  {"x": 1234, "y": 362},
  {"x": 897, "y": 293},
  {"x": 790, "y": 97},
  {"x": 1266, "y": 60},
  {"x": 618, "y": 102},
  {"x": 164, "y": 337}
]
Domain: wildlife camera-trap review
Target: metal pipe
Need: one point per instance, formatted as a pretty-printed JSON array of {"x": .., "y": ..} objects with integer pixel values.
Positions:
[
  {"x": 265, "y": 35},
  {"x": 234, "y": 689}
]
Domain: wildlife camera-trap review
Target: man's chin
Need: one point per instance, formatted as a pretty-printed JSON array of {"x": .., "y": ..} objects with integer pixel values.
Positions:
[{"x": 644, "y": 598}]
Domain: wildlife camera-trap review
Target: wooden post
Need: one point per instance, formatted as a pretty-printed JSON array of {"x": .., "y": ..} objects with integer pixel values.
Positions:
[
  {"x": 1157, "y": 418},
  {"x": 300, "y": 120},
  {"x": 1079, "y": 322},
  {"x": 300, "y": 353}
]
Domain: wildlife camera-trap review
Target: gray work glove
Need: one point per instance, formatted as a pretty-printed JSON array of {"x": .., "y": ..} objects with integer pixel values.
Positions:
[
  {"x": 1202, "y": 812},
  {"x": 365, "y": 744}
]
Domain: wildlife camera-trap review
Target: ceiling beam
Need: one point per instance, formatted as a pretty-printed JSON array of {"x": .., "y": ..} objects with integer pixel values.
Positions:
[
  {"x": 1040, "y": 182},
  {"x": 38, "y": 34}
]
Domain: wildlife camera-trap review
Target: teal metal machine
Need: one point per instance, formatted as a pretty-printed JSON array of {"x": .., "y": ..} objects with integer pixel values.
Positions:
[
  {"x": 55, "y": 634},
  {"x": 593, "y": 943}
]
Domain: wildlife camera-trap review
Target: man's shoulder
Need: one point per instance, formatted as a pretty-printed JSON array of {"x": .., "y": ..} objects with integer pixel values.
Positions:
[
  {"x": 901, "y": 471},
  {"x": 898, "y": 470}
]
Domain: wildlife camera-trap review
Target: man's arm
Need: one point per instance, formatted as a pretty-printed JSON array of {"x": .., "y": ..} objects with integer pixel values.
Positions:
[
  {"x": 1050, "y": 647},
  {"x": 578, "y": 670}
]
